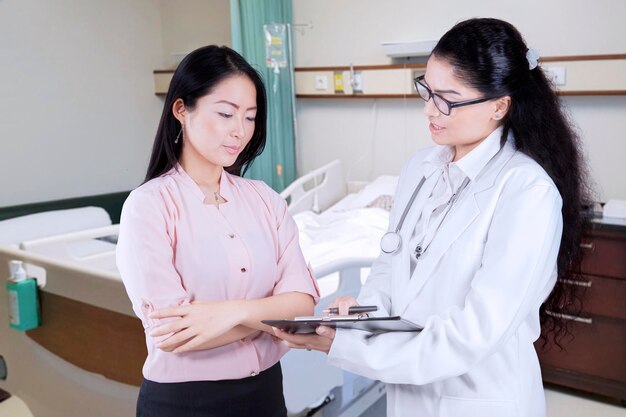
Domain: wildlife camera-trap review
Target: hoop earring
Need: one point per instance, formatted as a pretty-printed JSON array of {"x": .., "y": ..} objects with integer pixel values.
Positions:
[{"x": 178, "y": 136}]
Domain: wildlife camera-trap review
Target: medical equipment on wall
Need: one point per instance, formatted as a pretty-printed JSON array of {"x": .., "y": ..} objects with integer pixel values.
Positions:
[
  {"x": 356, "y": 80},
  {"x": 407, "y": 49}
]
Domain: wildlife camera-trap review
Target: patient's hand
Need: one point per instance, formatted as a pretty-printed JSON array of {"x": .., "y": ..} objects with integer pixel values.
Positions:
[
  {"x": 321, "y": 341},
  {"x": 199, "y": 327}
]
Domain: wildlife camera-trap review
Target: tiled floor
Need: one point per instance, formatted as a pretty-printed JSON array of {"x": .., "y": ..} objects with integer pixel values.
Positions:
[{"x": 561, "y": 403}]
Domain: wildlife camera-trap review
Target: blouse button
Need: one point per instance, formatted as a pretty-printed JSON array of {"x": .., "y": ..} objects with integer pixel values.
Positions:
[
  {"x": 145, "y": 306},
  {"x": 252, "y": 373},
  {"x": 231, "y": 235},
  {"x": 243, "y": 269}
]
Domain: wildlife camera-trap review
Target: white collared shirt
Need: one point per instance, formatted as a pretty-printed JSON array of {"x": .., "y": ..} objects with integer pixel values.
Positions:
[{"x": 451, "y": 176}]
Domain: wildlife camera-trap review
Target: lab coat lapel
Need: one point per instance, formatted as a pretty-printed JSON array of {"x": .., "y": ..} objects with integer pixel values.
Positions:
[
  {"x": 401, "y": 261},
  {"x": 460, "y": 218}
]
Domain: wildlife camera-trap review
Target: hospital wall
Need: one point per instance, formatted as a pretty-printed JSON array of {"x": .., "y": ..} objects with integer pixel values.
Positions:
[
  {"x": 76, "y": 105},
  {"x": 190, "y": 24},
  {"x": 78, "y": 111},
  {"x": 374, "y": 137}
]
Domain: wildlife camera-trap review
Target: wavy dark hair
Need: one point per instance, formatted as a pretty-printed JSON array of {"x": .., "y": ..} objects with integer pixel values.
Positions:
[
  {"x": 490, "y": 56},
  {"x": 196, "y": 76}
]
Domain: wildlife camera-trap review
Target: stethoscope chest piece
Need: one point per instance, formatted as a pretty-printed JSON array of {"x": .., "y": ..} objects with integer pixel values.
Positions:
[{"x": 390, "y": 242}]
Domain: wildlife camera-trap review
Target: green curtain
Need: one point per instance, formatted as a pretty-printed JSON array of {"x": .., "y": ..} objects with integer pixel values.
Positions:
[{"x": 277, "y": 164}]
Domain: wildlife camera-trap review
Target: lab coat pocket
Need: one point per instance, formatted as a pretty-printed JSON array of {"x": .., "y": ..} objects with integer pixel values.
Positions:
[{"x": 471, "y": 407}]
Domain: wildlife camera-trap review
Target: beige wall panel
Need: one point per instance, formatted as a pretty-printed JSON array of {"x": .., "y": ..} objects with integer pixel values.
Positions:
[{"x": 596, "y": 75}]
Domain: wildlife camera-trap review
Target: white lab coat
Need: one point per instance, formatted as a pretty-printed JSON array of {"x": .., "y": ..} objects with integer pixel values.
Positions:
[{"x": 477, "y": 292}]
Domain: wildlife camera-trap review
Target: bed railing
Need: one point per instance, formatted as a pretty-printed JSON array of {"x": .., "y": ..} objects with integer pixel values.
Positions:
[
  {"x": 308, "y": 379},
  {"x": 349, "y": 270},
  {"x": 317, "y": 190}
]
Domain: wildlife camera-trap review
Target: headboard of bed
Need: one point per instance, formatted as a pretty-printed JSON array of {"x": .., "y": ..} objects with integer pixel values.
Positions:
[
  {"x": 317, "y": 190},
  {"x": 112, "y": 203}
]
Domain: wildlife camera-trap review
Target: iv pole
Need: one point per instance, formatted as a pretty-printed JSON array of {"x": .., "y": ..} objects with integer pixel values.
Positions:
[{"x": 300, "y": 27}]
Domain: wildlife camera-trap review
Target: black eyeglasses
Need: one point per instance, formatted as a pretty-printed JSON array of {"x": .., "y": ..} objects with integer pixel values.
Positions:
[{"x": 443, "y": 105}]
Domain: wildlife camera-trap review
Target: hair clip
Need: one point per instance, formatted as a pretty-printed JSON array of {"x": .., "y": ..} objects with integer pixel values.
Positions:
[{"x": 532, "y": 56}]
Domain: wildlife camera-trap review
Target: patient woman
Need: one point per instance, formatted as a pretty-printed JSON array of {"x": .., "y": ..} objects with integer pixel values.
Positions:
[
  {"x": 492, "y": 220},
  {"x": 205, "y": 254}
]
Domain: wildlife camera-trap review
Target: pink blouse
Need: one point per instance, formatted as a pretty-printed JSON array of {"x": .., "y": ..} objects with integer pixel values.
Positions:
[{"x": 174, "y": 249}]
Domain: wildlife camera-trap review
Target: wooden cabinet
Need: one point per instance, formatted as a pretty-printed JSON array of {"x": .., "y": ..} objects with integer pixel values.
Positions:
[{"x": 595, "y": 359}]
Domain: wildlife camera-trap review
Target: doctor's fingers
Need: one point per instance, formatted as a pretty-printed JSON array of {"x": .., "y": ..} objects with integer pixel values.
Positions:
[
  {"x": 326, "y": 332},
  {"x": 318, "y": 343},
  {"x": 293, "y": 338},
  {"x": 343, "y": 303},
  {"x": 306, "y": 341},
  {"x": 322, "y": 347}
]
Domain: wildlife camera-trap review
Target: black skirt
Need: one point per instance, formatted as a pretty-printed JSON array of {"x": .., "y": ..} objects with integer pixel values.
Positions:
[{"x": 258, "y": 396}]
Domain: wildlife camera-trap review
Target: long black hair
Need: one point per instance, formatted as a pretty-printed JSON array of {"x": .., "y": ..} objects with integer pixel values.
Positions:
[
  {"x": 490, "y": 55},
  {"x": 196, "y": 76}
]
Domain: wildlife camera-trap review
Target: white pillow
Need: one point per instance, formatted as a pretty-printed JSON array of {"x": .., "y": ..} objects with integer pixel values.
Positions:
[
  {"x": 50, "y": 223},
  {"x": 383, "y": 185}
]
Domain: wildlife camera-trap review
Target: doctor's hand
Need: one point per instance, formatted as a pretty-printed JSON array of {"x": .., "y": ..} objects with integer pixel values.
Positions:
[
  {"x": 321, "y": 341},
  {"x": 343, "y": 303},
  {"x": 196, "y": 326}
]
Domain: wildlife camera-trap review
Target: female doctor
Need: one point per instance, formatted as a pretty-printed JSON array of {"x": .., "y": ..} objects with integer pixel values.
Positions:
[{"x": 476, "y": 239}]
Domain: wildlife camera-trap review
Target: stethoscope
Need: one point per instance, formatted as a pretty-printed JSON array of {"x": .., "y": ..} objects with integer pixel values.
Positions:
[{"x": 391, "y": 242}]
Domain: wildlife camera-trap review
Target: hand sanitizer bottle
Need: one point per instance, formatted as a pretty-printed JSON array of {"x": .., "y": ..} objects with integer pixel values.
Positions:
[{"x": 23, "y": 298}]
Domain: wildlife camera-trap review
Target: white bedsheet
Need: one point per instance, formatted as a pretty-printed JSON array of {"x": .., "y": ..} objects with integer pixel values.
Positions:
[
  {"x": 382, "y": 185},
  {"x": 336, "y": 235},
  {"x": 349, "y": 229}
]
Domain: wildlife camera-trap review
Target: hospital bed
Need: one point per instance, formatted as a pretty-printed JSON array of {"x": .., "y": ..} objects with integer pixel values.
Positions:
[
  {"x": 336, "y": 226},
  {"x": 88, "y": 353},
  {"x": 86, "y": 357},
  {"x": 339, "y": 235}
]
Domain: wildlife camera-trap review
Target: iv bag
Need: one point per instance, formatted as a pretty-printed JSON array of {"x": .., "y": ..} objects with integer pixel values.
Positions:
[{"x": 275, "y": 45}]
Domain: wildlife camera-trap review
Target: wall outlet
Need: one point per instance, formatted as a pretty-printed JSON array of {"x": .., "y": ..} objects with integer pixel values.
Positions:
[
  {"x": 357, "y": 82},
  {"x": 556, "y": 75},
  {"x": 321, "y": 83}
]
